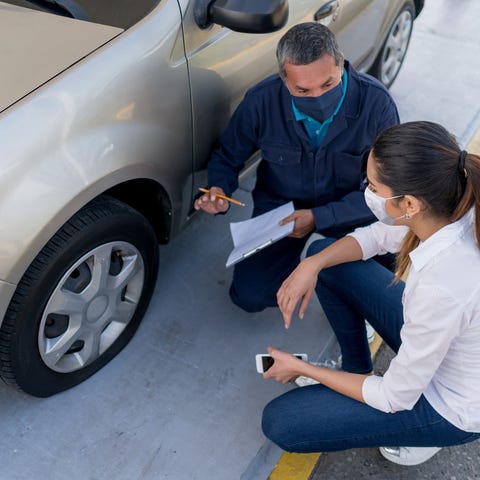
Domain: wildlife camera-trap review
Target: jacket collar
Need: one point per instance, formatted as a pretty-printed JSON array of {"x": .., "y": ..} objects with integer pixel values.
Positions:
[{"x": 354, "y": 97}]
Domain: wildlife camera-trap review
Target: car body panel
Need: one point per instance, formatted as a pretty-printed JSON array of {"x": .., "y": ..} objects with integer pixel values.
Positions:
[
  {"x": 34, "y": 54},
  {"x": 361, "y": 19},
  {"x": 71, "y": 154},
  {"x": 6, "y": 293}
]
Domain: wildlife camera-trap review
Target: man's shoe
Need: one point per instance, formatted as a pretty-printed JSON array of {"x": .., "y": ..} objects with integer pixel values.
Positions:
[
  {"x": 409, "y": 455},
  {"x": 305, "y": 381}
]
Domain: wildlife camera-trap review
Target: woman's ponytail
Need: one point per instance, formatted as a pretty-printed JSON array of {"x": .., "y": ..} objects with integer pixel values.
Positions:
[{"x": 469, "y": 168}]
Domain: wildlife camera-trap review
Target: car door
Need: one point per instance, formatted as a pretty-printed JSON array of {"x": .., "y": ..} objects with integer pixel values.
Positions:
[{"x": 357, "y": 25}]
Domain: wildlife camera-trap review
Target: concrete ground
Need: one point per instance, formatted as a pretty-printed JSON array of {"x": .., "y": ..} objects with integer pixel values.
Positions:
[{"x": 183, "y": 400}]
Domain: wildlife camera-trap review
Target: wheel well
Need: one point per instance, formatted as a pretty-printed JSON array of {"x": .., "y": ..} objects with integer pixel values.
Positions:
[{"x": 151, "y": 200}]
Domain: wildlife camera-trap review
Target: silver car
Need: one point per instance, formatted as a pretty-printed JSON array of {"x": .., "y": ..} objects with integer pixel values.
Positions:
[{"x": 108, "y": 113}]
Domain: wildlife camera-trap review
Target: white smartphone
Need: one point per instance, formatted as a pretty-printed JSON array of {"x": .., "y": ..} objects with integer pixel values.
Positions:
[{"x": 264, "y": 361}]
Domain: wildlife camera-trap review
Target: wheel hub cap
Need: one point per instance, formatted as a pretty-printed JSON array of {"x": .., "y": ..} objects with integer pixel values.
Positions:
[{"x": 91, "y": 306}]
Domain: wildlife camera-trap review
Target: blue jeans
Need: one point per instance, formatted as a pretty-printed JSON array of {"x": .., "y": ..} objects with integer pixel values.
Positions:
[
  {"x": 257, "y": 279},
  {"x": 318, "y": 419},
  {"x": 349, "y": 294}
]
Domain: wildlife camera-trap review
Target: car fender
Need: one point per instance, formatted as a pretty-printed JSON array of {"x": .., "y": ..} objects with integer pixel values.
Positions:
[{"x": 112, "y": 117}]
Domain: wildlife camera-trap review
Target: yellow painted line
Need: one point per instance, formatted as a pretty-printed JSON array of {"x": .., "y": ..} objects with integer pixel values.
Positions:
[
  {"x": 294, "y": 466},
  {"x": 299, "y": 466},
  {"x": 474, "y": 145}
]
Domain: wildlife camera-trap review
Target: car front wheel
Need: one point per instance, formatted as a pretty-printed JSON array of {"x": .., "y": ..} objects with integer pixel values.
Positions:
[
  {"x": 81, "y": 300},
  {"x": 393, "y": 51}
]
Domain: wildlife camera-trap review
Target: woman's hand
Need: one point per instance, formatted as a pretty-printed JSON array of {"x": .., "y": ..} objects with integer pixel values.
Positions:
[
  {"x": 285, "y": 367},
  {"x": 299, "y": 286}
]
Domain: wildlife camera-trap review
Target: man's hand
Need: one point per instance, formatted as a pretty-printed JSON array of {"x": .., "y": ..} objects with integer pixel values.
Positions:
[
  {"x": 304, "y": 223},
  {"x": 210, "y": 203}
]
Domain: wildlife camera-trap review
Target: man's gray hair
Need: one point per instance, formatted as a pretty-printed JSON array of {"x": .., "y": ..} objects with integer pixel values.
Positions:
[{"x": 306, "y": 42}]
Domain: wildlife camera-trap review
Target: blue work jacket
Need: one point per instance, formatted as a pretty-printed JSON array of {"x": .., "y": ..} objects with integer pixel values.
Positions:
[{"x": 329, "y": 180}]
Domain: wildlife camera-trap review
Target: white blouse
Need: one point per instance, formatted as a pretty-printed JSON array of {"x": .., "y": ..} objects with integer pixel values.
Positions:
[{"x": 440, "y": 351}]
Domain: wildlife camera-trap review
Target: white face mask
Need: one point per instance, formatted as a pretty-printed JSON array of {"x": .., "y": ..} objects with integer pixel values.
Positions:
[{"x": 376, "y": 204}]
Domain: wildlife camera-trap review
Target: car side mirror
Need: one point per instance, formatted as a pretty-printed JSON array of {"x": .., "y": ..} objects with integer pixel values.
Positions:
[{"x": 247, "y": 16}]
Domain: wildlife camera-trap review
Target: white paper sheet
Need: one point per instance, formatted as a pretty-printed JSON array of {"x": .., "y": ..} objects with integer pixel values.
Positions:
[{"x": 251, "y": 236}]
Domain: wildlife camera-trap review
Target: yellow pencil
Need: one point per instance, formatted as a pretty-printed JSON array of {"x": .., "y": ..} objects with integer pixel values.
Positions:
[{"x": 223, "y": 197}]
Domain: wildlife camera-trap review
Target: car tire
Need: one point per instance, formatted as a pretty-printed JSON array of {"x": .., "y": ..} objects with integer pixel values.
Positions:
[
  {"x": 81, "y": 300},
  {"x": 390, "y": 58}
]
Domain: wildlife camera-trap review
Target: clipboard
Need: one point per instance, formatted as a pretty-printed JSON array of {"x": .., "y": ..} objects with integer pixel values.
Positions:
[{"x": 255, "y": 234}]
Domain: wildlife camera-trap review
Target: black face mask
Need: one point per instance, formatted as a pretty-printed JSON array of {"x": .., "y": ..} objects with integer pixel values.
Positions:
[{"x": 322, "y": 107}]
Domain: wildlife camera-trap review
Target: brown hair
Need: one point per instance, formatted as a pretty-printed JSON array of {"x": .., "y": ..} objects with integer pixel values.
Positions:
[{"x": 424, "y": 160}]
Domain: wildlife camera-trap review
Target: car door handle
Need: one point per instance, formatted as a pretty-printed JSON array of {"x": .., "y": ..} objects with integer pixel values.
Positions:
[{"x": 325, "y": 10}]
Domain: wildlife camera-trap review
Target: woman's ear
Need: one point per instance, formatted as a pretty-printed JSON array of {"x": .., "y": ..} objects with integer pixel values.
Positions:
[{"x": 412, "y": 205}]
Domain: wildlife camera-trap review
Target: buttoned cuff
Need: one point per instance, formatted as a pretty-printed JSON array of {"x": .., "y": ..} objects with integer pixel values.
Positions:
[{"x": 373, "y": 396}]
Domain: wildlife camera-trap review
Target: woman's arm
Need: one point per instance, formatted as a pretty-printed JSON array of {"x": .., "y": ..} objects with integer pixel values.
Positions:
[
  {"x": 286, "y": 368},
  {"x": 300, "y": 285}
]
